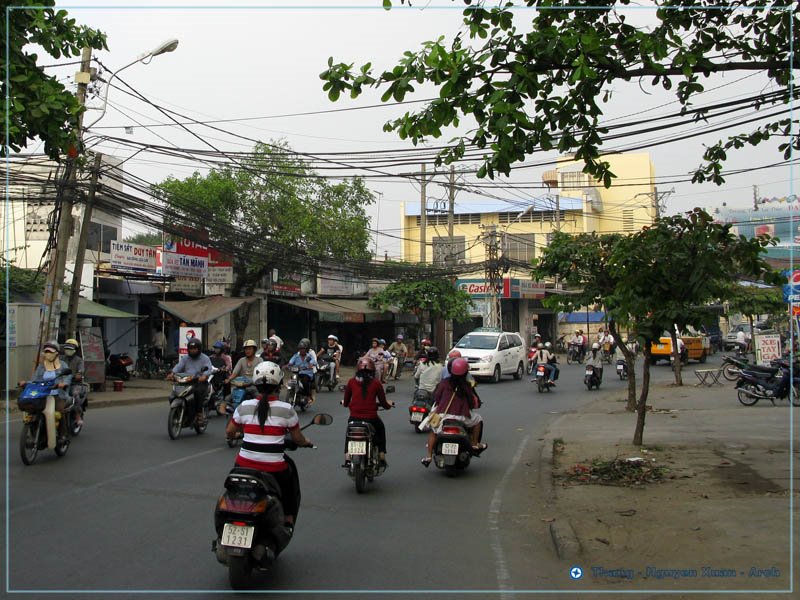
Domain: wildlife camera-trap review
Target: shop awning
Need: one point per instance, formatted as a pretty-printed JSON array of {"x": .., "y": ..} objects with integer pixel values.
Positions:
[
  {"x": 332, "y": 305},
  {"x": 87, "y": 308},
  {"x": 204, "y": 310}
]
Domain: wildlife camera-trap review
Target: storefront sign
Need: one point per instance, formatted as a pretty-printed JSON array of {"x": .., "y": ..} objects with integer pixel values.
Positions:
[
  {"x": 791, "y": 289},
  {"x": 183, "y": 265},
  {"x": 188, "y": 285},
  {"x": 187, "y": 333},
  {"x": 11, "y": 334},
  {"x": 220, "y": 275},
  {"x": 768, "y": 348},
  {"x": 133, "y": 256},
  {"x": 94, "y": 358},
  {"x": 285, "y": 282},
  {"x": 477, "y": 288},
  {"x": 531, "y": 289}
]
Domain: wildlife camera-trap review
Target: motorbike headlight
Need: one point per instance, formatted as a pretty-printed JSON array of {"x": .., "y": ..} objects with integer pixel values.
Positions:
[{"x": 486, "y": 359}]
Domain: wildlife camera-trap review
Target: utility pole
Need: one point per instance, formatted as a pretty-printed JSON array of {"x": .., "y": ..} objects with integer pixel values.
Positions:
[
  {"x": 80, "y": 255},
  {"x": 755, "y": 197},
  {"x": 51, "y": 305},
  {"x": 493, "y": 276},
  {"x": 451, "y": 255},
  {"x": 423, "y": 217}
]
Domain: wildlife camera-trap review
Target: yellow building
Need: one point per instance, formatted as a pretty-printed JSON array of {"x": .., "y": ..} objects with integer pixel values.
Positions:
[{"x": 572, "y": 203}]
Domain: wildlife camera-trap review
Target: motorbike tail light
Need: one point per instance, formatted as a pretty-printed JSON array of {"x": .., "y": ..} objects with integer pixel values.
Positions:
[
  {"x": 242, "y": 506},
  {"x": 357, "y": 435},
  {"x": 451, "y": 430},
  {"x": 421, "y": 409}
]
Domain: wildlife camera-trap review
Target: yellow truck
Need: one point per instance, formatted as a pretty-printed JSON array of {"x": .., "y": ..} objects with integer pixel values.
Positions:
[{"x": 697, "y": 348}]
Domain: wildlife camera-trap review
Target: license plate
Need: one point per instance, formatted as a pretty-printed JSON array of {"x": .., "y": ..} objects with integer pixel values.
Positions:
[
  {"x": 450, "y": 449},
  {"x": 540, "y": 373},
  {"x": 588, "y": 372},
  {"x": 356, "y": 447},
  {"x": 237, "y": 536},
  {"x": 416, "y": 417},
  {"x": 660, "y": 346},
  {"x": 619, "y": 367}
]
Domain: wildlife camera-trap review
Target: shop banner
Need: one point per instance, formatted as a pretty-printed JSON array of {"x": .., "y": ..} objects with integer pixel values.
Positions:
[
  {"x": 183, "y": 265},
  {"x": 133, "y": 256},
  {"x": 768, "y": 348},
  {"x": 187, "y": 333},
  {"x": 791, "y": 289}
]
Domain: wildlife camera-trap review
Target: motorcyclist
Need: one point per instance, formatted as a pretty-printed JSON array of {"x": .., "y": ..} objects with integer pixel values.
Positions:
[
  {"x": 422, "y": 353},
  {"x": 246, "y": 365},
  {"x": 386, "y": 357},
  {"x": 362, "y": 394},
  {"x": 265, "y": 421},
  {"x": 271, "y": 352},
  {"x": 221, "y": 362},
  {"x": 194, "y": 362},
  {"x": 576, "y": 341},
  {"x": 306, "y": 363},
  {"x": 455, "y": 399},
  {"x": 377, "y": 356},
  {"x": 48, "y": 369},
  {"x": 595, "y": 359},
  {"x": 77, "y": 389},
  {"x": 544, "y": 356},
  {"x": 401, "y": 350},
  {"x": 553, "y": 360},
  {"x": 429, "y": 373},
  {"x": 333, "y": 352}
]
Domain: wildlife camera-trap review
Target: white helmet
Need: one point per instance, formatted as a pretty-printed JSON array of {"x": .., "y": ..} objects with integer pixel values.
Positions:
[
  {"x": 595, "y": 346},
  {"x": 548, "y": 345},
  {"x": 267, "y": 373}
]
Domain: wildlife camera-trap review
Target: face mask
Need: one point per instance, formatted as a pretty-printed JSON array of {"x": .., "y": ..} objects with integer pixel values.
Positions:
[{"x": 69, "y": 352}]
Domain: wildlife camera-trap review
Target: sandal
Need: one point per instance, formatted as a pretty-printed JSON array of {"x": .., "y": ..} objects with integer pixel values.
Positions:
[
  {"x": 426, "y": 462},
  {"x": 477, "y": 449}
]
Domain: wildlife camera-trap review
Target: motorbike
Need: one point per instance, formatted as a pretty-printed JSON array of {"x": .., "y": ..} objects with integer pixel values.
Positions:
[
  {"x": 573, "y": 354},
  {"x": 364, "y": 464},
  {"x": 74, "y": 409},
  {"x": 146, "y": 364},
  {"x": 420, "y": 407},
  {"x": 242, "y": 389},
  {"x": 768, "y": 383},
  {"x": 118, "y": 366},
  {"x": 392, "y": 366},
  {"x": 591, "y": 377},
  {"x": 453, "y": 450},
  {"x": 326, "y": 373},
  {"x": 732, "y": 365},
  {"x": 182, "y": 412},
  {"x": 216, "y": 391},
  {"x": 531, "y": 360},
  {"x": 608, "y": 352},
  {"x": 42, "y": 425},
  {"x": 249, "y": 520},
  {"x": 542, "y": 379},
  {"x": 622, "y": 369},
  {"x": 297, "y": 395}
]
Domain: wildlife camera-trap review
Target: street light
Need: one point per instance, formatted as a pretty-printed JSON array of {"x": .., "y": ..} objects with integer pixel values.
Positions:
[{"x": 164, "y": 47}]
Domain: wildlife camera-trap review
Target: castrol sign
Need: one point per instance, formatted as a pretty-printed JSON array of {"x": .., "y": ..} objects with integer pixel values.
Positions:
[{"x": 477, "y": 288}]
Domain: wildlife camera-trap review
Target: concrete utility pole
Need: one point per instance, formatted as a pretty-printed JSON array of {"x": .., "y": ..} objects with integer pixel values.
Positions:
[
  {"x": 423, "y": 216},
  {"x": 451, "y": 255},
  {"x": 51, "y": 304},
  {"x": 755, "y": 197},
  {"x": 493, "y": 276},
  {"x": 80, "y": 254}
]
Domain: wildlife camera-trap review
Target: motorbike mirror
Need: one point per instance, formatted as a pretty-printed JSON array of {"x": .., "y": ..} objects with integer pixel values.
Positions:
[{"x": 322, "y": 419}]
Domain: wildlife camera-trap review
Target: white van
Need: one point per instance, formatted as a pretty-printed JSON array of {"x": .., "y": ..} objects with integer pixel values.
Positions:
[{"x": 492, "y": 352}]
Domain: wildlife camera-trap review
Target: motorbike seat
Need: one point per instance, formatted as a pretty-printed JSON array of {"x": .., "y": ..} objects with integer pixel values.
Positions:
[
  {"x": 240, "y": 476},
  {"x": 360, "y": 429}
]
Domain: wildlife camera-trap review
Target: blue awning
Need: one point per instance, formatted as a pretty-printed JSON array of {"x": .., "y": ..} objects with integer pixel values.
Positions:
[{"x": 582, "y": 317}]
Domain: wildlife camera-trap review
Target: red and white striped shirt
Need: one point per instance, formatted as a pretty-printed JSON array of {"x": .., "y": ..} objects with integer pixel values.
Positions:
[{"x": 262, "y": 448}]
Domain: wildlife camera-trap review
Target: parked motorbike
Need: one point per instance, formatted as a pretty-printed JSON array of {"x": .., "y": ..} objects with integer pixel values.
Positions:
[
  {"x": 591, "y": 377},
  {"x": 326, "y": 373},
  {"x": 249, "y": 520},
  {"x": 732, "y": 365},
  {"x": 770, "y": 383},
  {"x": 420, "y": 407},
  {"x": 453, "y": 450},
  {"x": 118, "y": 366},
  {"x": 182, "y": 412},
  {"x": 297, "y": 395},
  {"x": 242, "y": 389},
  {"x": 622, "y": 369},
  {"x": 573, "y": 354},
  {"x": 542, "y": 380},
  {"x": 146, "y": 364},
  {"x": 37, "y": 400}
]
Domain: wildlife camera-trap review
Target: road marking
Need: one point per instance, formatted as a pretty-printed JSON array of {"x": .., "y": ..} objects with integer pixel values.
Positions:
[
  {"x": 50, "y": 499},
  {"x": 504, "y": 582}
]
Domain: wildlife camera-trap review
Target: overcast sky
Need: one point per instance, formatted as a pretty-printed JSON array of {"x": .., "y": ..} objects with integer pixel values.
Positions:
[{"x": 262, "y": 59}]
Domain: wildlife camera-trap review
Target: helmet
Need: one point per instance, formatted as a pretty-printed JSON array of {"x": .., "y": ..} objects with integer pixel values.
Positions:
[
  {"x": 454, "y": 354},
  {"x": 548, "y": 345},
  {"x": 51, "y": 345},
  {"x": 365, "y": 364},
  {"x": 425, "y": 342},
  {"x": 71, "y": 343},
  {"x": 302, "y": 345},
  {"x": 382, "y": 342},
  {"x": 400, "y": 337},
  {"x": 265, "y": 341},
  {"x": 194, "y": 343},
  {"x": 537, "y": 335},
  {"x": 374, "y": 341},
  {"x": 433, "y": 353},
  {"x": 459, "y": 366},
  {"x": 333, "y": 337},
  {"x": 272, "y": 343},
  {"x": 250, "y": 344},
  {"x": 305, "y": 341},
  {"x": 540, "y": 345},
  {"x": 267, "y": 373},
  {"x": 595, "y": 346},
  {"x": 219, "y": 345}
]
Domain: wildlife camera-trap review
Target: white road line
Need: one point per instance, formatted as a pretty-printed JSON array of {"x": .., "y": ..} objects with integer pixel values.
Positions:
[
  {"x": 504, "y": 583},
  {"x": 50, "y": 499}
]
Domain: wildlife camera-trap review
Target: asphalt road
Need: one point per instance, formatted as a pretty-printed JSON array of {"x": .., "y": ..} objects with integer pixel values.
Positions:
[{"x": 129, "y": 509}]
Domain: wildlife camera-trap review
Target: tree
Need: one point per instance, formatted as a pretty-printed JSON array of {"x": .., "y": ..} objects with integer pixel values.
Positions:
[
  {"x": 581, "y": 262},
  {"x": 40, "y": 106},
  {"x": 147, "y": 238},
  {"x": 293, "y": 220},
  {"x": 667, "y": 273},
  {"x": 541, "y": 87},
  {"x": 752, "y": 301},
  {"x": 427, "y": 297}
]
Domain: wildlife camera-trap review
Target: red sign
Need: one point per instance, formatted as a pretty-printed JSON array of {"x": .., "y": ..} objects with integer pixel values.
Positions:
[{"x": 217, "y": 259}]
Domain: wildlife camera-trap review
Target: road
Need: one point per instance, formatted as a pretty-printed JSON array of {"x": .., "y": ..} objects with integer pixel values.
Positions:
[{"x": 129, "y": 509}]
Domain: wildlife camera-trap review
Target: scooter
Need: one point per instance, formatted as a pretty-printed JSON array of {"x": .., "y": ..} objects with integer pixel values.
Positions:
[
  {"x": 591, "y": 378},
  {"x": 573, "y": 353},
  {"x": 42, "y": 425},
  {"x": 542, "y": 380},
  {"x": 392, "y": 366},
  {"x": 531, "y": 360},
  {"x": 216, "y": 392},
  {"x": 622, "y": 369},
  {"x": 242, "y": 389},
  {"x": 118, "y": 366},
  {"x": 732, "y": 365},
  {"x": 364, "y": 464},
  {"x": 182, "y": 411},
  {"x": 297, "y": 395},
  {"x": 453, "y": 449},
  {"x": 249, "y": 520},
  {"x": 420, "y": 407},
  {"x": 326, "y": 373},
  {"x": 754, "y": 385}
]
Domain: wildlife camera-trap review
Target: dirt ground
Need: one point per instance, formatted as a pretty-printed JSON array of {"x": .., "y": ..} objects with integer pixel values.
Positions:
[{"x": 710, "y": 523}]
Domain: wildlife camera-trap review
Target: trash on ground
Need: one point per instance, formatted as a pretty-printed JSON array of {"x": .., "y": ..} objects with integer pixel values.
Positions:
[{"x": 633, "y": 471}]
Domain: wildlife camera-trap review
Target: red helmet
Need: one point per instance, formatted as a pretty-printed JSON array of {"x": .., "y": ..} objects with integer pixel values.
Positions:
[
  {"x": 454, "y": 354},
  {"x": 425, "y": 342},
  {"x": 459, "y": 366},
  {"x": 365, "y": 364}
]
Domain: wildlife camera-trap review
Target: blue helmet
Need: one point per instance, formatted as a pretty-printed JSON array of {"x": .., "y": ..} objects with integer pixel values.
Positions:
[{"x": 219, "y": 345}]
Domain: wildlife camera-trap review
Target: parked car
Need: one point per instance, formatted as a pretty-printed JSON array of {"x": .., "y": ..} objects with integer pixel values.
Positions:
[
  {"x": 492, "y": 353},
  {"x": 714, "y": 335}
]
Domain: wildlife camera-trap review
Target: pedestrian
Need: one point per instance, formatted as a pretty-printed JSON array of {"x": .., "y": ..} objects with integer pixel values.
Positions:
[{"x": 159, "y": 342}]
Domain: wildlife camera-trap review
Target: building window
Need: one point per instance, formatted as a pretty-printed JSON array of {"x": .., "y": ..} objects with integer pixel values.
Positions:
[
  {"x": 100, "y": 237},
  {"x": 627, "y": 220},
  {"x": 574, "y": 180},
  {"x": 439, "y": 219},
  {"x": 520, "y": 246},
  {"x": 443, "y": 250}
]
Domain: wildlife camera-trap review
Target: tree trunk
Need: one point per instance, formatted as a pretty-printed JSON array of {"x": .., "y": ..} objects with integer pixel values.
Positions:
[
  {"x": 630, "y": 358},
  {"x": 641, "y": 406},
  {"x": 751, "y": 345},
  {"x": 676, "y": 356}
]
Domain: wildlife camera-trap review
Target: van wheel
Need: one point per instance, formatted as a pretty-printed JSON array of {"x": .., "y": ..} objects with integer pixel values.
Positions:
[
  {"x": 519, "y": 372},
  {"x": 496, "y": 374},
  {"x": 703, "y": 357}
]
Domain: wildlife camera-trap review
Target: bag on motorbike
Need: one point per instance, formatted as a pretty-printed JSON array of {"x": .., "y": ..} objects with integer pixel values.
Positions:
[{"x": 434, "y": 419}]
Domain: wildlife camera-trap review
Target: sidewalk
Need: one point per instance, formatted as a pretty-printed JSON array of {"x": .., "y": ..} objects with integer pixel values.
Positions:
[{"x": 723, "y": 501}]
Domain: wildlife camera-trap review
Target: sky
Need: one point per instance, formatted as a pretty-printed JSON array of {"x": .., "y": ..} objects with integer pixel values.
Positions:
[{"x": 263, "y": 59}]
